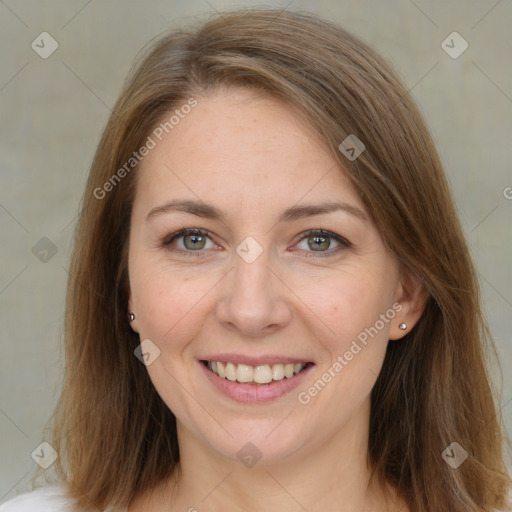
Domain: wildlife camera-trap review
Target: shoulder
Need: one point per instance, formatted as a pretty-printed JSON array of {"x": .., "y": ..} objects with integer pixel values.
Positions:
[{"x": 45, "y": 499}]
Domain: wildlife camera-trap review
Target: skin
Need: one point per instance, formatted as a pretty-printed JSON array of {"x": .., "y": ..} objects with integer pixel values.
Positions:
[{"x": 252, "y": 157}]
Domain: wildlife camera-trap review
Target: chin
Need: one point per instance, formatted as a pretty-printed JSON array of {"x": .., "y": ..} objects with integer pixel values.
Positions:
[{"x": 261, "y": 444}]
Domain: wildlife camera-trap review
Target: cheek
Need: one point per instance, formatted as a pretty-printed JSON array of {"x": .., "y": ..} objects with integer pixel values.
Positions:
[
  {"x": 345, "y": 303},
  {"x": 351, "y": 305},
  {"x": 169, "y": 304}
]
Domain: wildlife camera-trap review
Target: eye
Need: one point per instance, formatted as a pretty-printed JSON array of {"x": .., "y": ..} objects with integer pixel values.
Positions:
[
  {"x": 321, "y": 241},
  {"x": 195, "y": 241},
  {"x": 189, "y": 240}
]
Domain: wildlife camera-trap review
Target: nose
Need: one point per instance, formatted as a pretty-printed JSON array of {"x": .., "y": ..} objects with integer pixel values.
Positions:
[{"x": 254, "y": 301}]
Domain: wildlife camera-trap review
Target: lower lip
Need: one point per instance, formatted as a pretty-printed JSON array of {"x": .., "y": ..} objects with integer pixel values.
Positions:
[{"x": 255, "y": 393}]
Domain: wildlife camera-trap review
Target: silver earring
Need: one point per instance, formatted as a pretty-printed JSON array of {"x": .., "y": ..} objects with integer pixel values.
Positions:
[
  {"x": 403, "y": 327},
  {"x": 131, "y": 316}
]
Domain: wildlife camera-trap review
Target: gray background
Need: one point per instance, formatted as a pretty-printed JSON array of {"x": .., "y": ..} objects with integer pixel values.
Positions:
[{"x": 53, "y": 111}]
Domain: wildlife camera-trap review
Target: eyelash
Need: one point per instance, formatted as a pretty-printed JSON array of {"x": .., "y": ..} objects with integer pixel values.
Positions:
[{"x": 344, "y": 243}]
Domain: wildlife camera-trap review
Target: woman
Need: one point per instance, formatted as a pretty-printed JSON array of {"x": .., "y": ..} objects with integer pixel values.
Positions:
[{"x": 272, "y": 304}]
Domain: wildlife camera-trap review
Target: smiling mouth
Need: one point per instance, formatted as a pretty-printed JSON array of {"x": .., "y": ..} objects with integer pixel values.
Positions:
[{"x": 255, "y": 375}]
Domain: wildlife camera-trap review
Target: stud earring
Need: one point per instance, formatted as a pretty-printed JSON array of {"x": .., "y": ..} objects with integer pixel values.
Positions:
[
  {"x": 403, "y": 327},
  {"x": 131, "y": 316}
]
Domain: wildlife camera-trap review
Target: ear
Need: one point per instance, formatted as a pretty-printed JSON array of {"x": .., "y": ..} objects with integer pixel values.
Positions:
[
  {"x": 412, "y": 295},
  {"x": 131, "y": 309}
]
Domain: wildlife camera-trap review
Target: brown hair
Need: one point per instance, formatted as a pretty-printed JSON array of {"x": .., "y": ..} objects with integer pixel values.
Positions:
[{"x": 115, "y": 435}]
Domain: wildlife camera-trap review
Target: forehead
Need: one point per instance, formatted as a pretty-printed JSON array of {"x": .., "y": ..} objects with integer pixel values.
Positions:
[{"x": 245, "y": 150}]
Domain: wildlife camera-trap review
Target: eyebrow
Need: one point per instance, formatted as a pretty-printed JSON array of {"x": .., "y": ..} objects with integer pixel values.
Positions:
[{"x": 293, "y": 213}]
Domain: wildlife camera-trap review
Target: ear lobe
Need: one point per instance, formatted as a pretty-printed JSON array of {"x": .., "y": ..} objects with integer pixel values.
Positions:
[{"x": 412, "y": 296}]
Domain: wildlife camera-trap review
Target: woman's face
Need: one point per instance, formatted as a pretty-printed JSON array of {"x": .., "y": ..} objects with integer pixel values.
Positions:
[{"x": 259, "y": 283}]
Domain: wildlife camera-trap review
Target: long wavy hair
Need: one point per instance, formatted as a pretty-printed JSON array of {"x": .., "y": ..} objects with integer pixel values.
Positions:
[{"x": 114, "y": 434}]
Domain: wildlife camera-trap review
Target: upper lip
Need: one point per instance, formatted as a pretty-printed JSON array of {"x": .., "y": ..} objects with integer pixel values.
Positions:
[{"x": 255, "y": 360}]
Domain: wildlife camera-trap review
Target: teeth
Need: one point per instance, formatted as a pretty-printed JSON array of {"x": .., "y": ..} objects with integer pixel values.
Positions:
[
  {"x": 244, "y": 373},
  {"x": 230, "y": 371},
  {"x": 262, "y": 374},
  {"x": 278, "y": 372}
]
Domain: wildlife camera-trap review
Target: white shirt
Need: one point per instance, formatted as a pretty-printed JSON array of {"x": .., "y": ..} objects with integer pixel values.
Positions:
[{"x": 45, "y": 499}]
